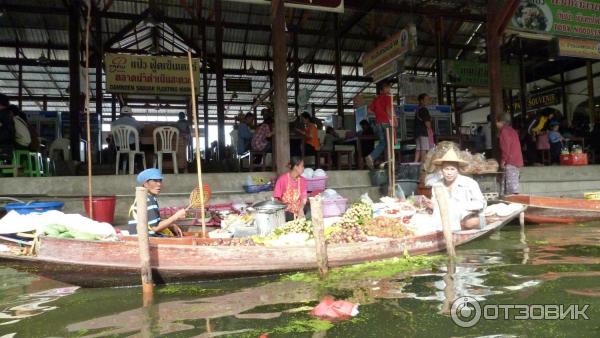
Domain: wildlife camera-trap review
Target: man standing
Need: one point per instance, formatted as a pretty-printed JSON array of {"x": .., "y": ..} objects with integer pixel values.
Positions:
[
  {"x": 383, "y": 110},
  {"x": 423, "y": 130},
  {"x": 245, "y": 134},
  {"x": 511, "y": 158},
  {"x": 7, "y": 131},
  {"x": 126, "y": 119}
]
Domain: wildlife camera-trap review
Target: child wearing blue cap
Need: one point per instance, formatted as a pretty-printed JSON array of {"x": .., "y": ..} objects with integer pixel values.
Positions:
[{"x": 151, "y": 179}]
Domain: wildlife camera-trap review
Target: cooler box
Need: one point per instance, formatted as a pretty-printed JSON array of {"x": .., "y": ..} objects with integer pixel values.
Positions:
[{"x": 574, "y": 159}]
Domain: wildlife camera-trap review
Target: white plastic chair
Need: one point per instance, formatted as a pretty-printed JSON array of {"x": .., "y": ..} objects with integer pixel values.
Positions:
[
  {"x": 60, "y": 146},
  {"x": 121, "y": 134},
  {"x": 166, "y": 135}
]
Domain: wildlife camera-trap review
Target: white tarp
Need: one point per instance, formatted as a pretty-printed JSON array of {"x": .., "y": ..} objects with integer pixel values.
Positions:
[{"x": 14, "y": 222}]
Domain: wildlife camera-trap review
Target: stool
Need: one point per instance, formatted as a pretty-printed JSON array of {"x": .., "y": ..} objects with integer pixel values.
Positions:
[
  {"x": 326, "y": 156},
  {"x": 257, "y": 154},
  {"x": 340, "y": 154},
  {"x": 10, "y": 169}
]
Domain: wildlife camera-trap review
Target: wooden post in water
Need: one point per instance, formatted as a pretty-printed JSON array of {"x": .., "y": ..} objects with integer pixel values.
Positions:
[
  {"x": 440, "y": 196},
  {"x": 316, "y": 211},
  {"x": 144, "y": 244},
  {"x": 389, "y": 156}
]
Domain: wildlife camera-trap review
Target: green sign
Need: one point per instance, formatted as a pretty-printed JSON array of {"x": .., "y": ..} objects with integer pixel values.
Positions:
[
  {"x": 579, "y": 18},
  {"x": 475, "y": 74}
]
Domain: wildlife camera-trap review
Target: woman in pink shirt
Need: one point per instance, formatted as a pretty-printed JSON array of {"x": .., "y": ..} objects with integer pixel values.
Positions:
[{"x": 290, "y": 189}]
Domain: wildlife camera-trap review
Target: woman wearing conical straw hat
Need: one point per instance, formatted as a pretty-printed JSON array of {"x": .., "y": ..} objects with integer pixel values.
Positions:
[{"x": 465, "y": 200}]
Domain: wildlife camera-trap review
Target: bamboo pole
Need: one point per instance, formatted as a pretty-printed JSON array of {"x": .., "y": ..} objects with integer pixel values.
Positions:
[
  {"x": 389, "y": 157},
  {"x": 88, "y": 147},
  {"x": 144, "y": 244},
  {"x": 197, "y": 148},
  {"x": 316, "y": 211},
  {"x": 393, "y": 145},
  {"x": 440, "y": 195}
]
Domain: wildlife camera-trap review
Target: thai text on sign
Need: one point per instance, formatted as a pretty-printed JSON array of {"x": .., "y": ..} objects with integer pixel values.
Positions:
[
  {"x": 389, "y": 50},
  {"x": 153, "y": 75}
]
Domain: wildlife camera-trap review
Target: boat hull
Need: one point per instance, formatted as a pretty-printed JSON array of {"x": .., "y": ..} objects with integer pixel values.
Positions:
[
  {"x": 544, "y": 210},
  {"x": 101, "y": 264}
]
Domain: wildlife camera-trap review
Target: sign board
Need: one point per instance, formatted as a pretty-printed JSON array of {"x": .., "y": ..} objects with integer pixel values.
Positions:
[
  {"x": 586, "y": 49},
  {"x": 318, "y": 5},
  {"x": 538, "y": 101},
  {"x": 475, "y": 74},
  {"x": 577, "y": 18},
  {"x": 363, "y": 99},
  {"x": 238, "y": 85},
  {"x": 150, "y": 75},
  {"x": 391, "y": 49},
  {"x": 411, "y": 86},
  {"x": 388, "y": 70}
]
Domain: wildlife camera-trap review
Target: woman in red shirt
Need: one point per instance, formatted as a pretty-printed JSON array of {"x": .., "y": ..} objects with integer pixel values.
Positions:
[
  {"x": 511, "y": 155},
  {"x": 383, "y": 110},
  {"x": 311, "y": 135}
]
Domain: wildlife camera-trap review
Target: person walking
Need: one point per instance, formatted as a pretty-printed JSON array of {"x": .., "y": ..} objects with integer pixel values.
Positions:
[
  {"x": 511, "y": 158},
  {"x": 423, "y": 130},
  {"x": 382, "y": 108}
]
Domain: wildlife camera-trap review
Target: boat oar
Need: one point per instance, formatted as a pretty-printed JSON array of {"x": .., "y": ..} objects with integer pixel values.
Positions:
[
  {"x": 316, "y": 212},
  {"x": 442, "y": 202},
  {"x": 144, "y": 245},
  {"x": 197, "y": 136}
]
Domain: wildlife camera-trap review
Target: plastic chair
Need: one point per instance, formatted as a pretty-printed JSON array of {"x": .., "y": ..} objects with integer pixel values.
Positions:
[
  {"x": 121, "y": 135},
  {"x": 10, "y": 169},
  {"x": 31, "y": 162},
  {"x": 166, "y": 146},
  {"x": 58, "y": 147}
]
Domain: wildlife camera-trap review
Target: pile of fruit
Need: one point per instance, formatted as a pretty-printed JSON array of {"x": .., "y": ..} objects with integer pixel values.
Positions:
[
  {"x": 386, "y": 227},
  {"x": 350, "y": 228},
  {"x": 299, "y": 225},
  {"x": 229, "y": 242}
]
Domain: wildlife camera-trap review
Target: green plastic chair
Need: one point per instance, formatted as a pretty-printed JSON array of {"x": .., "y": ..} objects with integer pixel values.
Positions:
[
  {"x": 10, "y": 169},
  {"x": 31, "y": 162}
]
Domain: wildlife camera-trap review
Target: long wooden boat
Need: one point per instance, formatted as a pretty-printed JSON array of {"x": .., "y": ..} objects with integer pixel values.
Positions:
[
  {"x": 542, "y": 209},
  {"x": 102, "y": 263}
]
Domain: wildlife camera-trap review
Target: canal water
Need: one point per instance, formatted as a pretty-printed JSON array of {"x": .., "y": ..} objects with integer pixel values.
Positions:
[{"x": 543, "y": 265}]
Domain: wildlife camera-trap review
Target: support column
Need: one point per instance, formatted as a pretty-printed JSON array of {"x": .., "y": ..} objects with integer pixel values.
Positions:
[
  {"x": 438, "y": 55},
  {"x": 219, "y": 74},
  {"x": 74, "y": 77},
  {"x": 113, "y": 108},
  {"x": 338, "y": 70},
  {"x": 296, "y": 75},
  {"x": 494, "y": 65},
  {"x": 99, "y": 95},
  {"x": 45, "y": 103},
  {"x": 20, "y": 79},
  {"x": 565, "y": 100},
  {"x": 522, "y": 83},
  {"x": 278, "y": 44},
  {"x": 457, "y": 113},
  {"x": 205, "y": 86},
  {"x": 590, "y": 90}
]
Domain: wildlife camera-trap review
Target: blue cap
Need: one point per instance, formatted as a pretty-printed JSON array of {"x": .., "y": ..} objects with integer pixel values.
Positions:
[
  {"x": 554, "y": 123},
  {"x": 149, "y": 174}
]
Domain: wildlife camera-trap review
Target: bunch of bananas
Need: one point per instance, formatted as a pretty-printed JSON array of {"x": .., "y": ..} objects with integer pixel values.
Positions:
[{"x": 299, "y": 225}]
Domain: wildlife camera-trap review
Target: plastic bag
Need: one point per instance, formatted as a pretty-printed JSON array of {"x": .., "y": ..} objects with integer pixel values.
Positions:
[
  {"x": 365, "y": 199},
  {"x": 249, "y": 181}
]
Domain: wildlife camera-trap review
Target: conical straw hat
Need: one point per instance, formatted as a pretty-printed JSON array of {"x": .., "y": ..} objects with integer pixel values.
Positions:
[{"x": 450, "y": 156}]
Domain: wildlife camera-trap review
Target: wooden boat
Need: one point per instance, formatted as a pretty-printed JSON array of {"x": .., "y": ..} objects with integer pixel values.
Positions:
[
  {"x": 103, "y": 263},
  {"x": 542, "y": 209}
]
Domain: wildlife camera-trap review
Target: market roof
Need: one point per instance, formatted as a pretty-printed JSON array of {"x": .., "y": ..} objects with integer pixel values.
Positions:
[{"x": 36, "y": 36}]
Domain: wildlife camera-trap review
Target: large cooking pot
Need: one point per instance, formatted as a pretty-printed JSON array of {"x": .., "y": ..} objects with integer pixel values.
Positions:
[{"x": 268, "y": 215}]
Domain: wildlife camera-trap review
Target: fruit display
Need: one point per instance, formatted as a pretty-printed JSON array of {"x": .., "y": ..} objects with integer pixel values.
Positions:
[
  {"x": 387, "y": 227},
  {"x": 229, "y": 242},
  {"x": 359, "y": 213},
  {"x": 300, "y": 225},
  {"x": 339, "y": 234}
]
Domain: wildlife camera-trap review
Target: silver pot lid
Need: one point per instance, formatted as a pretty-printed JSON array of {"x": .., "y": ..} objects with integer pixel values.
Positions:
[{"x": 269, "y": 206}]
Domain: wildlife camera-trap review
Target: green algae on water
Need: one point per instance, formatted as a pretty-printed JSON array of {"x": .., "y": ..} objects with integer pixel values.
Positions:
[{"x": 375, "y": 269}]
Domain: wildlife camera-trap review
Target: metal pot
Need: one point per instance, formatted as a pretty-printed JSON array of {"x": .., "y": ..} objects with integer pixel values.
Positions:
[{"x": 268, "y": 215}]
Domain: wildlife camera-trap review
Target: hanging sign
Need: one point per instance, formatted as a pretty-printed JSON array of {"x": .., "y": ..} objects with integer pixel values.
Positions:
[
  {"x": 475, "y": 74},
  {"x": 411, "y": 86},
  {"x": 150, "y": 75},
  {"x": 586, "y": 49},
  {"x": 318, "y": 5},
  {"x": 391, "y": 49},
  {"x": 578, "y": 18},
  {"x": 238, "y": 85},
  {"x": 537, "y": 101},
  {"x": 388, "y": 70}
]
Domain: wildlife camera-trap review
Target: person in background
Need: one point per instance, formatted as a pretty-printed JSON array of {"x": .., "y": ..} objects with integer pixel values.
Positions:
[
  {"x": 245, "y": 134},
  {"x": 182, "y": 124},
  {"x": 366, "y": 130},
  {"x": 423, "y": 130},
  {"x": 479, "y": 140},
  {"x": 556, "y": 142},
  {"x": 126, "y": 119},
  {"x": 152, "y": 180},
  {"x": 382, "y": 108},
  {"x": 7, "y": 131},
  {"x": 261, "y": 141},
  {"x": 487, "y": 133},
  {"x": 465, "y": 200},
  {"x": 290, "y": 189},
  {"x": 331, "y": 137},
  {"x": 511, "y": 157},
  {"x": 311, "y": 135}
]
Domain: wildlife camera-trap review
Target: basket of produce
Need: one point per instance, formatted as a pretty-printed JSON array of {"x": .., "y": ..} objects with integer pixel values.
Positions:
[
  {"x": 251, "y": 189},
  {"x": 316, "y": 183},
  {"x": 334, "y": 207}
]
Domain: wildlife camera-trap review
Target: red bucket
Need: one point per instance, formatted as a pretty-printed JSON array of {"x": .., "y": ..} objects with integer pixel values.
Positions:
[{"x": 104, "y": 208}]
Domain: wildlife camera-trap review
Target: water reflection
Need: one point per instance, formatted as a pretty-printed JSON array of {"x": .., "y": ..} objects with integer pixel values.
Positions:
[{"x": 32, "y": 304}]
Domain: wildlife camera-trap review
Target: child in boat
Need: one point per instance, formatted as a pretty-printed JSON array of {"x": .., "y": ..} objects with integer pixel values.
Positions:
[{"x": 151, "y": 179}]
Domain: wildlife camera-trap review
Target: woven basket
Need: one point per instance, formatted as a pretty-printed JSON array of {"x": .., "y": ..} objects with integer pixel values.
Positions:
[
  {"x": 316, "y": 184},
  {"x": 334, "y": 207}
]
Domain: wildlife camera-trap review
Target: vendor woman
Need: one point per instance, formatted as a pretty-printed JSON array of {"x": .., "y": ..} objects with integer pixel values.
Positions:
[
  {"x": 290, "y": 189},
  {"x": 465, "y": 200},
  {"x": 152, "y": 180}
]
